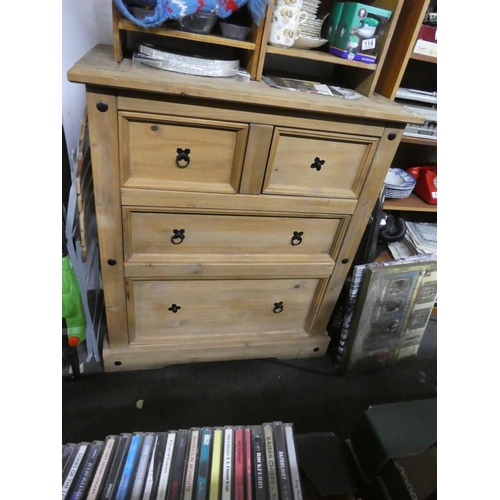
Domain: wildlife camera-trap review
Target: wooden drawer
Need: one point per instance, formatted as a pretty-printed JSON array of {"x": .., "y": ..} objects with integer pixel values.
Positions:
[
  {"x": 181, "y": 154},
  {"x": 322, "y": 164},
  {"x": 189, "y": 309}
]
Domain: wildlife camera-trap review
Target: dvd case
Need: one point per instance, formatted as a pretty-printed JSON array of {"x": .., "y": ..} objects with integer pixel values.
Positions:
[
  {"x": 102, "y": 469},
  {"x": 281, "y": 454},
  {"x": 215, "y": 466},
  {"x": 115, "y": 471},
  {"x": 239, "y": 471},
  {"x": 76, "y": 461},
  {"x": 227, "y": 463},
  {"x": 204, "y": 464},
  {"x": 141, "y": 470},
  {"x": 162, "y": 483},
  {"x": 89, "y": 462},
  {"x": 259, "y": 463},
  {"x": 272, "y": 478},
  {"x": 292, "y": 460},
  {"x": 191, "y": 463},
  {"x": 178, "y": 465}
]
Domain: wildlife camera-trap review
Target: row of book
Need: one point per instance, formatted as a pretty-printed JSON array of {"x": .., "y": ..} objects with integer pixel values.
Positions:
[{"x": 256, "y": 462}]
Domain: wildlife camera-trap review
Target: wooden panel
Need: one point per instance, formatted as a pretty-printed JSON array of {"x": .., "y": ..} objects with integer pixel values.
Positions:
[
  {"x": 157, "y": 234},
  {"x": 150, "y": 147},
  {"x": 216, "y": 308},
  {"x": 103, "y": 129},
  {"x": 344, "y": 161}
]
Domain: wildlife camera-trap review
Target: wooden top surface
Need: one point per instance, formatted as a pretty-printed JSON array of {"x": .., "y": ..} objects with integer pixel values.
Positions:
[{"x": 98, "y": 67}]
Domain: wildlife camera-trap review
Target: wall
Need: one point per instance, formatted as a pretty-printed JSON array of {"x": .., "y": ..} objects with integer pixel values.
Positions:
[{"x": 84, "y": 24}]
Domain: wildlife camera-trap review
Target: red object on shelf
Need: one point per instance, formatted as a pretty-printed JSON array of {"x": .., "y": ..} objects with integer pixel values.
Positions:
[
  {"x": 428, "y": 33},
  {"x": 426, "y": 187}
]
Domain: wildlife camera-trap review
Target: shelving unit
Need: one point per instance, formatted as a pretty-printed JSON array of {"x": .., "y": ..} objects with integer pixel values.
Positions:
[{"x": 254, "y": 51}]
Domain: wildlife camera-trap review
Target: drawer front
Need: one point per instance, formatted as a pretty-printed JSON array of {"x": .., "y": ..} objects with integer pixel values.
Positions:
[
  {"x": 175, "y": 234},
  {"x": 162, "y": 310},
  {"x": 181, "y": 154},
  {"x": 318, "y": 164}
]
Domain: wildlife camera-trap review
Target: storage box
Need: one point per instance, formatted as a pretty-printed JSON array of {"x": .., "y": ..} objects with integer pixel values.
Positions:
[
  {"x": 359, "y": 32},
  {"x": 334, "y": 20},
  {"x": 426, "y": 48}
]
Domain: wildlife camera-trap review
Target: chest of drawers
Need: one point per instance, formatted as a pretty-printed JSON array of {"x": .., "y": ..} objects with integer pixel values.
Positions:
[{"x": 228, "y": 213}]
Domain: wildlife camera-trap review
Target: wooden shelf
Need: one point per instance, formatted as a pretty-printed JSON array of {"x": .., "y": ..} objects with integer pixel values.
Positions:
[
  {"x": 411, "y": 204},
  {"x": 422, "y": 57},
  {"x": 423, "y": 141}
]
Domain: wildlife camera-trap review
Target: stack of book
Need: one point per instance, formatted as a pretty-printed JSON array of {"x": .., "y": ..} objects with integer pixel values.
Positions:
[{"x": 256, "y": 462}]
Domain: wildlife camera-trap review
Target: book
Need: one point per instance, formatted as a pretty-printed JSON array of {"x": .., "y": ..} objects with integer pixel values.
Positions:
[
  {"x": 239, "y": 478},
  {"x": 282, "y": 463},
  {"x": 115, "y": 471},
  {"x": 178, "y": 464},
  {"x": 227, "y": 464},
  {"x": 293, "y": 463},
  {"x": 259, "y": 463},
  {"x": 272, "y": 478},
  {"x": 84, "y": 474},
  {"x": 215, "y": 467},
  {"x": 141, "y": 471},
  {"x": 192, "y": 462},
  {"x": 76, "y": 461},
  {"x": 204, "y": 464},
  {"x": 162, "y": 482},
  {"x": 248, "y": 463},
  {"x": 129, "y": 466},
  {"x": 101, "y": 473}
]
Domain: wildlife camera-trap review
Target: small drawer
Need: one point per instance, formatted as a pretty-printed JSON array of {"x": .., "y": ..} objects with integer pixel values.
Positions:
[
  {"x": 186, "y": 310},
  {"x": 153, "y": 235},
  {"x": 181, "y": 154},
  {"x": 308, "y": 163}
]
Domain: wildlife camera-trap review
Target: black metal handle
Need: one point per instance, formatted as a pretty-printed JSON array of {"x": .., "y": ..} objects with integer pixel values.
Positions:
[
  {"x": 278, "y": 307},
  {"x": 182, "y": 156},
  {"x": 297, "y": 238},
  {"x": 178, "y": 236},
  {"x": 317, "y": 163},
  {"x": 174, "y": 308}
]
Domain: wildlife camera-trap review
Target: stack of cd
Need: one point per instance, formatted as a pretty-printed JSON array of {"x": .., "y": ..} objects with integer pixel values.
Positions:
[{"x": 399, "y": 183}]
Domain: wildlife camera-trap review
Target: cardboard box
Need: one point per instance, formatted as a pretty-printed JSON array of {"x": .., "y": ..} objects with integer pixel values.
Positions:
[
  {"x": 359, "y": 32},
  {"x": 426, "y": 48}
]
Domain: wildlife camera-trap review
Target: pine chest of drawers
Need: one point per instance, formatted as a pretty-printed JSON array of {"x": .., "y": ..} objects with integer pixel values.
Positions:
[{"x": 228, "y": 213}]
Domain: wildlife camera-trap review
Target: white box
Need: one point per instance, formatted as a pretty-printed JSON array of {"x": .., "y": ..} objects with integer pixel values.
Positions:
[{"x": 426, "y": 48}]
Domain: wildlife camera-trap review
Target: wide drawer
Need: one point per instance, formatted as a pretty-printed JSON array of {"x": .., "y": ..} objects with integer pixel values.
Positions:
[
  {"x": 162, "y": 310},
  {"x": 309, "y": 163},
  {"x": 181, "y": 154},
  {"x": 157, "y": 234}
]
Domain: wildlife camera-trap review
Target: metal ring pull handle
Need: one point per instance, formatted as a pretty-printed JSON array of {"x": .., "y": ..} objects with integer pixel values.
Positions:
[
  {"x": 317, "y": 163},
  {"x": 297, "y": 238},
  {"x": 182, "y": 156},
  {"x": 278, "y": 307},
  {"x": 178, "y": 236},
  {"x": 174, "y": 308}
]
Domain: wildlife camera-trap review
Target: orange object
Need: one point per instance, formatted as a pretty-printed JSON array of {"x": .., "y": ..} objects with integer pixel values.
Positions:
[{"x": 426, "y": 187}]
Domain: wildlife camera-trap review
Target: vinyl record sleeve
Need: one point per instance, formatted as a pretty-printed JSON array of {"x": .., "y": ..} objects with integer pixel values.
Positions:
[{"x": 103, "y": 466}]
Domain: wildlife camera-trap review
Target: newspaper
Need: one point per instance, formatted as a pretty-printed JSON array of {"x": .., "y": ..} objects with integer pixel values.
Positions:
[
  {"x": 420, "y": 239},
  {"x": 310, "y": 87}
]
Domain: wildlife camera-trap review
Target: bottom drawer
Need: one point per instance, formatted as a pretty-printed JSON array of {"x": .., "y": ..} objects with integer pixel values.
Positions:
[{"x": 164, "y": 310}]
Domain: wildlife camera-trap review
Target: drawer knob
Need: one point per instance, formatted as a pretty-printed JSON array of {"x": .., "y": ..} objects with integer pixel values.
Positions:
[
  {"x": 182, "y": 160},
  {"x": 297, "y": 238},
  {"x": 178, "y": 236},
  {"x": 174, "y": 308},
  {"x": 317, "y": 163},
  {"x": 278, "y": 307}
]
